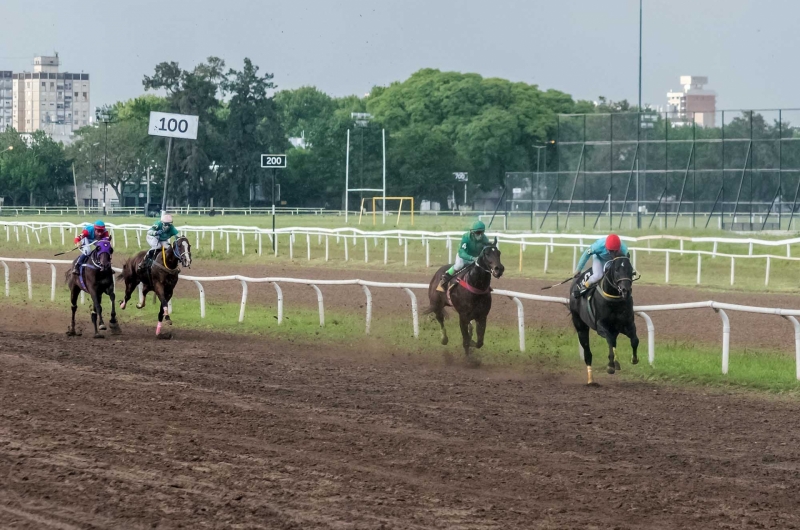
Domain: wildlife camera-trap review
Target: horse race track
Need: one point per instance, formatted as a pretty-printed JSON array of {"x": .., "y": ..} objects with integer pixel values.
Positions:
[{"x": 210, "y": 430}]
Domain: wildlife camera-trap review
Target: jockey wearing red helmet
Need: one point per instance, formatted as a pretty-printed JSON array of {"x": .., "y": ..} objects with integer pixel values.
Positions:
[
  {"x": 602, "y": 251},
  {"x": 84, "y": 240}
]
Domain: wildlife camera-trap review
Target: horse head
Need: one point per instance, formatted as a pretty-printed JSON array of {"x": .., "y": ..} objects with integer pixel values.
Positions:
[
  {"x": 621, "y": 275},
  {"x": 489, "y": 260},
  {"x": 102, "y": 254},
  {"x": 183, "y": 251}
]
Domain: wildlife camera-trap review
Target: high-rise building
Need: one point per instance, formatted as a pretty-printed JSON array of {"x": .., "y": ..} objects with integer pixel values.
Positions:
[
  {"x": 695, "y": 102},
  {"x": 49, "y": 100},
  {"x": 6, "y": 93}
]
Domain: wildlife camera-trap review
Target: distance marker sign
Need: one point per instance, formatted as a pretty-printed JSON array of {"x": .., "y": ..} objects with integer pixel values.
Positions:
[
  {"x": 173, "y": 125},
  {"x": 273, "y": 161}
]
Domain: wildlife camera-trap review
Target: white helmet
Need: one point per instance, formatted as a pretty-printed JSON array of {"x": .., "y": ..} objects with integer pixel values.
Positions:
[{"x": 166, "y": 218}]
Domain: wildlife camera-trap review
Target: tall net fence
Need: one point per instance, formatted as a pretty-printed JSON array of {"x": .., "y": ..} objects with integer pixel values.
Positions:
[{"x": 727, "y": 169}]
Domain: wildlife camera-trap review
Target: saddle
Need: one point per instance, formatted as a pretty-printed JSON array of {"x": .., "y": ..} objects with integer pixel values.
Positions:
[
  {"x": 463, "y": 283},
  {"x": 576, "y": 286}
]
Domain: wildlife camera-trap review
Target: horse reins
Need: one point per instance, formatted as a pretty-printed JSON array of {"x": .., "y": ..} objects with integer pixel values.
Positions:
[{"x": 615, "y": 285}]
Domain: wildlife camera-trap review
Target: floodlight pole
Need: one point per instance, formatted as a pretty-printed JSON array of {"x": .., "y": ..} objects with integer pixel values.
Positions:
[
  {"x": 383, "y": 131},
  {"x": 347, "y": 178}
]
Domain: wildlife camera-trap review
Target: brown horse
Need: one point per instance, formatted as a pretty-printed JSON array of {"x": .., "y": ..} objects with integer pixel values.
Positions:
[
  {"x": 95, "y": 277},
  {"x": 470, "y": 295},
  {"x": 161, "y": 277}
]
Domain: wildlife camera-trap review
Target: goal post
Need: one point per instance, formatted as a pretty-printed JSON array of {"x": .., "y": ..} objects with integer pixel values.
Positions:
[
  {"x": 399, "y": 208},
  {"x": 488, "y": 218}
]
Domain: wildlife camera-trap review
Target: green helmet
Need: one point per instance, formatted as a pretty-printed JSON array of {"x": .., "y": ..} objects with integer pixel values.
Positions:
[{"x": 478, "y": 226}]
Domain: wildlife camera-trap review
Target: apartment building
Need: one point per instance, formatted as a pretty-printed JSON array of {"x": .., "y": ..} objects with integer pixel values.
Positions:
[
  {"x": 6, "y": 93},
  {"x": 694, "y": 102},
  {"x": 46, "y": 99}
]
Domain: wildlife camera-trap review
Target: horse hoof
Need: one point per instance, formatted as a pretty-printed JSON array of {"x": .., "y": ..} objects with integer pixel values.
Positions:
[
  {"x": 610, "y": 370},
  {"x": 115, "y": 329},
  {"x": 165, "y": 335},
  {"x": 635, "y": 360},
  {"x": 616, "y": 365},
  {"x": 101, "y": 327},
  {"x": 479, "y": 345},
  {"x": 592, "y": 384},
  {"x": 72, "y": 333},
  {"x": 139, "y": 306},
  {"x": 445, "y": 341},
  {"x": 122, "y": 304},
  {"x": 99, "y": 336}
]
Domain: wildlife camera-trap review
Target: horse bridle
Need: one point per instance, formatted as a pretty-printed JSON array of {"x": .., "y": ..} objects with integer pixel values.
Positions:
[
  {"x": 615, "y": 284},
  {"x": 476, "y": 263},
  {"x": 176, "y": 251}
]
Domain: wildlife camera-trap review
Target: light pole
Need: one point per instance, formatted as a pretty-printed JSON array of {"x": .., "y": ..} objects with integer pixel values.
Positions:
[
  {"x": 538, "y": 171},
  {"x": 104, "y": 115}
]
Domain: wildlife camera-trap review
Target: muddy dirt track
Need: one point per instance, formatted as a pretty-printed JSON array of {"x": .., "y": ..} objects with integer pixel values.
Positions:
[{"x": 215, "y": 431}]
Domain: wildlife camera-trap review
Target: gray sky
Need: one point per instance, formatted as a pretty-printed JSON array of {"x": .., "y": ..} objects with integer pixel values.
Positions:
[{"x": 587, "y": 48}]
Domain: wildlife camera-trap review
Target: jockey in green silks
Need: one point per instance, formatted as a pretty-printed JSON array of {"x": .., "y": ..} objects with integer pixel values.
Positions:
[{"x": 472, "y": 244}]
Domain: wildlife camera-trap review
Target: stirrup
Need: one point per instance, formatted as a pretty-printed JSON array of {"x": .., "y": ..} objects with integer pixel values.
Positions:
[{"x": 443, "y": 284}]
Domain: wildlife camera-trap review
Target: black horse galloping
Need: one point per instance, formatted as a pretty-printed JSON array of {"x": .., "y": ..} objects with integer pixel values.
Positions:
[
  {"x": 96, "y": 278},
  {"x": 470, "y": 295},
  {"x": 608, "y": 309}
]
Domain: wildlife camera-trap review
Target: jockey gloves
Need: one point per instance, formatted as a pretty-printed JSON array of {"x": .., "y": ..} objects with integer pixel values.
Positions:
[{"x": 613, "y": 243}]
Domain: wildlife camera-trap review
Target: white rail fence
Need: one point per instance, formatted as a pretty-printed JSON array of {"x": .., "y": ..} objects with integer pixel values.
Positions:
[
  {"x": 516, "y": 297},
  {"x": 207, "y": 235}
]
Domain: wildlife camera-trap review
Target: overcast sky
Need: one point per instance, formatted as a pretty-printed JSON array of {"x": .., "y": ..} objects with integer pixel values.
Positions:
[{"x": 587, "y": 48}]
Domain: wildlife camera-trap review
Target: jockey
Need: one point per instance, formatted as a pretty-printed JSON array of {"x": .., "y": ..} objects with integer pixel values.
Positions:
[
  {"x": 472, "y": 244},
  {"x": 158, "y": 237},
  {"x": 603, "y": 250},
  {"x": 89, "y": 235}
]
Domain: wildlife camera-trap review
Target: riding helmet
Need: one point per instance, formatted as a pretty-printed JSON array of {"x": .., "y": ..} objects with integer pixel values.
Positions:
[
  {"x": 99, "y": 224},
  {"x": 613, "y": 243},
  {"x": 166, "y": 218},
  {"x": 478, "y": 226}
]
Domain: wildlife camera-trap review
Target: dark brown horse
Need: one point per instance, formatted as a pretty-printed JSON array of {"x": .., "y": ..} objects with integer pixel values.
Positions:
[
  {"x": 607, "y": 309},
  {"x": 95, "y": 277},
  {"x": 161, "y": 277},
  {"x": 470, "y": 294}
]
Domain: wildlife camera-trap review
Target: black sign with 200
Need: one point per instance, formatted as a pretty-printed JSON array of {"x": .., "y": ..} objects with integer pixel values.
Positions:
[{"x": 273, "y": 161}]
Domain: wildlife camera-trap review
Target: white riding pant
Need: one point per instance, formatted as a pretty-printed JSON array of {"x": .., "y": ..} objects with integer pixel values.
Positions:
[
  {"x": 86, "y": 246},
  {"x": 598, "y": 267},
  {"x": 460, "y": 263},
  {"x": 155, "y": 243}
]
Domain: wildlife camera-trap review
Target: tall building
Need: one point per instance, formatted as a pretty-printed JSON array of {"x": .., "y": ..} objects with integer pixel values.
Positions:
[
  {"x": 6, "y": 93},
  {"x": 694, "y": 102},
  {"x": 49, "y": 100}
]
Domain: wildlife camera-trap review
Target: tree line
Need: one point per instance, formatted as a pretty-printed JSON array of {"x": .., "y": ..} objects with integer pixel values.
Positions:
[{"x": 436, "y": 123}]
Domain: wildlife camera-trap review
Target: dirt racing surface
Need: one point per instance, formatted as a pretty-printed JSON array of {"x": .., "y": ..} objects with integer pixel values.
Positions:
[{"x": 217, "y": 431}]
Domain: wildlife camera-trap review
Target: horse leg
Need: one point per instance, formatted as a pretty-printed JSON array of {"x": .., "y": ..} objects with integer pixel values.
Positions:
[
  {"x": 439, "y": 312},
  {"x": 130, "y": 286},
  {"x": 167, "y": 298},
  {"x": 583, "y": 337},
  {"x": 481, "y": 325},
  {"x": 466, "y": 336},
  {"x": 145, "y": 292},
  {"x": 73, "y": 295},
  {"x": 630, "y": 332},
  {"x": 159, "y": 290},
  {"x": 613, "y": 362},
  {"x": 113, "y": 322},
  {"x": 101, "y": 325},
  {"x": 96, "y": 310}
]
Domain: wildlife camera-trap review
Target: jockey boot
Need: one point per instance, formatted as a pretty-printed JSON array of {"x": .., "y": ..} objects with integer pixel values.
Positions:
[
  {"x": 446, "y": 277},
  {"x": 78, "y": 263},
  {"x": 145, "y": 262}
]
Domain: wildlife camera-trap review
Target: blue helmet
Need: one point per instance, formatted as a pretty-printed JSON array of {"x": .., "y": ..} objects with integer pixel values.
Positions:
[{"x": 99, "y": 224}]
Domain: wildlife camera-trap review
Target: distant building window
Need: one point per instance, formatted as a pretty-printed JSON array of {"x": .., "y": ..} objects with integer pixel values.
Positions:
[
  {"x": 84, "y": 95},
  {"x": 76, "y": 94},
  {"x": 52, "y": 84},
  {"x": 44, "y": 84}
]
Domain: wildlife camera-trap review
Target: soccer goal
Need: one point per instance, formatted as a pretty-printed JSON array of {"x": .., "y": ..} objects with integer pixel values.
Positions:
[
  {"x": 487, "y": 218},
  {"x": 407, "y": 200}
]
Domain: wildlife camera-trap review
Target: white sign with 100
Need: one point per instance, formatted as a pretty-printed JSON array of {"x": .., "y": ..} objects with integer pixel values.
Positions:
[{"x": 173, "y": 125}]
